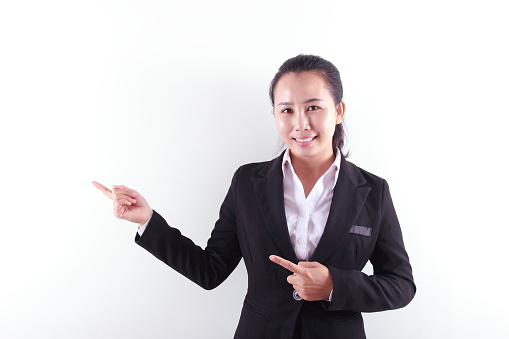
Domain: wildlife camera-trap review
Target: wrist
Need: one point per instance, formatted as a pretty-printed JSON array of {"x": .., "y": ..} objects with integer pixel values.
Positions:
[{"x": 146, "y": 219}]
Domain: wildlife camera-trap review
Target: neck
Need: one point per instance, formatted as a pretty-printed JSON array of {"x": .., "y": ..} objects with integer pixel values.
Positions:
[{"x": 312, "y": 167}]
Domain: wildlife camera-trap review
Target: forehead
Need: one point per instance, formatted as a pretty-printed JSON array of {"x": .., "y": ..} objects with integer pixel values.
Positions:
[{"x": 301, "y": 85}]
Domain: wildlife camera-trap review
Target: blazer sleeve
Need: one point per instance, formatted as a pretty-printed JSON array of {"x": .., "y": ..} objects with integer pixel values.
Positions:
[
  {"x": 207, "y": 267},
  {"x": 391, "y": 286}
]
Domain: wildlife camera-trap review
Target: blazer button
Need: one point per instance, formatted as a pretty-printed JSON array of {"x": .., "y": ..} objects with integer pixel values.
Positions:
[{"x": 296, "y": 296}]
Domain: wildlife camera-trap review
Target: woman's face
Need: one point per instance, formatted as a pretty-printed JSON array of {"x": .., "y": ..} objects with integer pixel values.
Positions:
[{"x": 306, "y": 115}]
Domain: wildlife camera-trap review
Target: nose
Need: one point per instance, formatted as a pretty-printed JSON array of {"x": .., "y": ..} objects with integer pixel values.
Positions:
[{"x": 301, "y": 121}]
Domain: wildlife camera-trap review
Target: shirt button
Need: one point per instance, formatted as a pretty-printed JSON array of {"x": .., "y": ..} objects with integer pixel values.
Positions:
[
  {"x": 304, "y": 212},
  {"x": 301, "y": 241},
  {"x": 296, "y": 296}
]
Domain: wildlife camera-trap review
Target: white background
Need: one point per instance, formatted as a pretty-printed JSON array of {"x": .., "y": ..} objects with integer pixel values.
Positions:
[{"x": 171, "y": 97}]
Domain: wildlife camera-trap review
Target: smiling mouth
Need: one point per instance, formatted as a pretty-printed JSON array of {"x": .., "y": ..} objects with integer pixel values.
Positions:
[{"x": 304, "y": 140}]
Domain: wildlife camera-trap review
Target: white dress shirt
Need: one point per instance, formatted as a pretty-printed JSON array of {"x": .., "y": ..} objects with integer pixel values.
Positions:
[{"x": 306, "y": 216}]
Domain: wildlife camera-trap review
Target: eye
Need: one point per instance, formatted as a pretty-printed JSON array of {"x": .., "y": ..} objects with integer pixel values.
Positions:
[
  {"x": 287, "y": 110},
  {"x": 312, "y": 108}
]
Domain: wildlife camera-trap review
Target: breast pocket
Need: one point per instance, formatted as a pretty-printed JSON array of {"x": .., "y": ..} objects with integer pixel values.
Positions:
[{"x": 361, "y": 230}]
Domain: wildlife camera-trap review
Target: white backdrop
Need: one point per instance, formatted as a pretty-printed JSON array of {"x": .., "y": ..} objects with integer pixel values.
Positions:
[{"x": 171, "y": 97}]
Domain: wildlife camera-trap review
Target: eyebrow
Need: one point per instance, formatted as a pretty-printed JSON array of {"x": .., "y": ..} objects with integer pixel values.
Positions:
[{"x": 284, "y": 103}]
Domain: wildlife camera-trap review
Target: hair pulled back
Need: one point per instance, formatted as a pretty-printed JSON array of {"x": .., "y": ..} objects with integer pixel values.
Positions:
[{"x": 329, "y": 73}]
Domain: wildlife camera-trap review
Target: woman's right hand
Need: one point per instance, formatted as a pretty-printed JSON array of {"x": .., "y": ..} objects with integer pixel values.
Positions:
[{"x": 127, "y": 203}]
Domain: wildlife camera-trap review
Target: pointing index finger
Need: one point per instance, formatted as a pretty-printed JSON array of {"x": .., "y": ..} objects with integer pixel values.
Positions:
[
  {"x": 103, "y": 189},
  {"x": 290, "y": 266}
]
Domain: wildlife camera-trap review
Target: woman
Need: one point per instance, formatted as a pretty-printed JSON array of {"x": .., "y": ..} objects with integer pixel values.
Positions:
[{"x": 306, "y": 223}]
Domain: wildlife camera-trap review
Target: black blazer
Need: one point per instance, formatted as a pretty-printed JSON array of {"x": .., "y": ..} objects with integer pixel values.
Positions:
[{"x": 362, "y": 226}]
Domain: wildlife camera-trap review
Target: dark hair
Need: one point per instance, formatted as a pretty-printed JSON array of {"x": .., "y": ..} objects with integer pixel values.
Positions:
[{"x": 329, "y": 73}]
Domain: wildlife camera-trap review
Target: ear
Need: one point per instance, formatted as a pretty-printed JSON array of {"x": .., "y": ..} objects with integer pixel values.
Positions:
[{"x": 340, "y": 112}]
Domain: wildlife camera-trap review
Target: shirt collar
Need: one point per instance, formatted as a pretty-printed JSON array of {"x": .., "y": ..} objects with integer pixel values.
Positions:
[{"x": 287, "y": 161}]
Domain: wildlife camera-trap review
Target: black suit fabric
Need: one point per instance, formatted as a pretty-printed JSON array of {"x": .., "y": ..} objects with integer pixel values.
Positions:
[{"x": 362, "y": 225}]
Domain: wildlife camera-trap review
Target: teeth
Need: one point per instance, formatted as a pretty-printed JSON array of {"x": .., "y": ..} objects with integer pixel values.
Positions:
[{"x": 304, "y": 140}]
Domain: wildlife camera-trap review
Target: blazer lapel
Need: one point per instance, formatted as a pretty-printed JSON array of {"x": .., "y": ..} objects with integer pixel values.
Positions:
[
  {"x": 268, "y": 186},
  {"x": 347, "y": 202}
]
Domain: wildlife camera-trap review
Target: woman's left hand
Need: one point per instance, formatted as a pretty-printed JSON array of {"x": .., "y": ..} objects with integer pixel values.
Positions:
[{"x": 311, "y": 280}]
